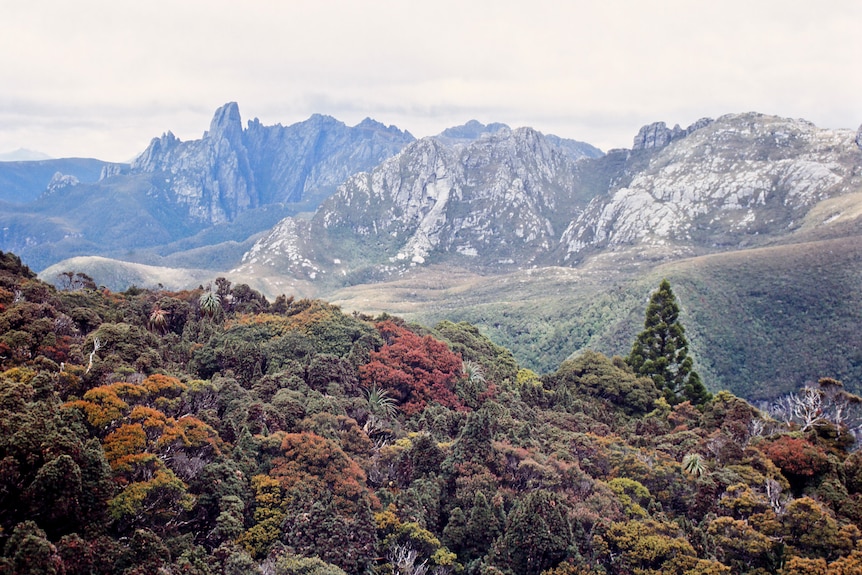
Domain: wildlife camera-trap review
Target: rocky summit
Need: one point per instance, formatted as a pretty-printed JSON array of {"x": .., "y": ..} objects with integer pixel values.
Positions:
[
  {"x": 495, "y": 201},
  {"x": 515, "y": 199},
  {"x": 742, "y": 180},
  {"x": 546, "y": 244},
  {"x": 228, "y": 185},
  {"x": 231, "y": 170}
]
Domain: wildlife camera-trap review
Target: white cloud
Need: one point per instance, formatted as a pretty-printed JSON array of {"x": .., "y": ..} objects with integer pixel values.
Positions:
[{"x": 100, "y": 78}]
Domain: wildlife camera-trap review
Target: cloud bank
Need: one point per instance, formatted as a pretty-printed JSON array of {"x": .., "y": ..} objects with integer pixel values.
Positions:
[{"x": 97, "y": 78}]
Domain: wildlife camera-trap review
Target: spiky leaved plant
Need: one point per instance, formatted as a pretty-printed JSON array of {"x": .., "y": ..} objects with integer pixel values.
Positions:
[
  {"x": 473, "y": 372},
  {"x": 159, "y": 319},
  {"x": 381, "y": 411},
  {"x": 380, "y": 403},
  {"x": 693, "y": 464},
  {"x": 209, "y": 303}
]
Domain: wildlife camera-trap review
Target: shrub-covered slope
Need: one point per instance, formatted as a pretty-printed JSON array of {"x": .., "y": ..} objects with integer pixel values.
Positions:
[{"x": 211, "y": 431}]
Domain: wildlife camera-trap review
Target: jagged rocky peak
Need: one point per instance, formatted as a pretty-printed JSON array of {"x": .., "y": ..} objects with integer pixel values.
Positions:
[
  {"x": 60, "y": 181},
  {"x": 226, "y": 123},
  {"x": 370, "y": 124},
  {"x": 231, "y": 169},
  {"x": 494, "y": 202},
  {"x": 859, "y": 137},
  {"x": 657, "y": 135},
  {"x": 515, "y": 198},
  {"x": 150, "y": 158},
  {"x": 741, "y": 180},
  {"x": 476, "y": 132},
  {"x": 323, "y": 120},
  {"x": 472, "y": 130}
]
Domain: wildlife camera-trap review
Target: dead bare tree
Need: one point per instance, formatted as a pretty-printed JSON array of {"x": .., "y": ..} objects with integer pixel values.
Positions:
[
  {"x": 403, "y": 559},
  {"x": 97, "y": 345},
  {"x": 773, "y": 493},
  {"x": 826, "y": 404},
  {"x": 808, "y": 408},
  {"x": 404, "y": 562},
  {"x": 804, "y": 409}
]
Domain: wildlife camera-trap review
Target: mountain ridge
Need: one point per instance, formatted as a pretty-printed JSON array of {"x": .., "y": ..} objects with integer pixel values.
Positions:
[
  {"x": 181, "y": 188},
  {"x": 230, "y": 169},
  {"x": 547, "y": 252},
  {"x": 512, "y": 199},
  {"x": 23, "y": 155}
]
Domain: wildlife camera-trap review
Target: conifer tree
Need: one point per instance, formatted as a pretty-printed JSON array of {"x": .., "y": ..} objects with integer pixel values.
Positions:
[{"x": 661, "y": 351}]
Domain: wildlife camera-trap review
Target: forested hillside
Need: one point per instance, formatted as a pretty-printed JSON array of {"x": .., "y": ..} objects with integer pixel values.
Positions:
[{"x": 212, "y": 431}]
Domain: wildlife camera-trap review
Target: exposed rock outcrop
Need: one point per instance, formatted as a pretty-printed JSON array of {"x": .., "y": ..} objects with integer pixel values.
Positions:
[
  {"x": 657, "y": 135},
  {"x": 111, "y": 170},
  {"x": 60, "y": 181},
  {"x": 492, "y": 203},
  {"x": 158, "y": 153},
  {"x": 515, "y": 199},
  {"x": 743, "y": 176},
  {"x": 231, "y": 170}
]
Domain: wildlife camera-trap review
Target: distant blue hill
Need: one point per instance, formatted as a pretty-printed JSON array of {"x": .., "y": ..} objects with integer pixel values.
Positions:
[
  {"x": 23, "y": 155},
  {"x": 22, "y": 182}
]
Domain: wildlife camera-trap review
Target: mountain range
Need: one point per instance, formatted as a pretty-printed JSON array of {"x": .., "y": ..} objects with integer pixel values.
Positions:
[
  {"x": 178, "y": 196},
  {"x": 547, "y": 244},
  {"x": 515, "y": 200},
  {"x": 23, "y": 155}
]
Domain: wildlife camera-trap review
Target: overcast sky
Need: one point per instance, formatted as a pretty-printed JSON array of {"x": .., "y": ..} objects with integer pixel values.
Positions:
[{"x": 101, "y": 78}]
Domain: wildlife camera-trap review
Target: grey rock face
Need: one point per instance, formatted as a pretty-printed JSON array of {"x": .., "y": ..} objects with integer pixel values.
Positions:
[
  {"x": 307, "y": 161},
  {"x": 157, "y": 154},
  {"x": 111, "y": 170},
  {"x": 859, "y": 137},
  {"x": 575, "y": 149},
  {"x": 60, "y": 181},
  {"x": 211, "y": 176},
  {"x": 231, "y": 169},
  {"x": 492, "y": 203},
  {"x": 515, "y": 199},
  {"x": 467, "y": 133},
  {"x": 473, "y": 130},
  {"x": 743, "y": 177},
  {"x": 657, "y": 135}
]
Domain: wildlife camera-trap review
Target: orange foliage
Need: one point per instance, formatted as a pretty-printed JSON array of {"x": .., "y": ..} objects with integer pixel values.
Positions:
[
  {"x": 418, "y": 370},
  {"x": 188, "y": 432},
  {"x": 795, "y": 456},
  {"x": 313, "y": 466},
  {"x": 164, "y": 385},
  {"x": 107, "y": 404},
  {"x": 101, "y": 405},
  {"x": 152, "y": 419},
  {"x": 127, "y": 439},
  {"x": 171, "y": 435},
  {"x": 141, "y": 434},
  {"x": 199, "y": 434}
]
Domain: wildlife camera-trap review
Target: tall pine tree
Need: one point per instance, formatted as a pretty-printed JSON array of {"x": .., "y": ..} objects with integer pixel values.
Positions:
[{"x": 660, "y": 351}]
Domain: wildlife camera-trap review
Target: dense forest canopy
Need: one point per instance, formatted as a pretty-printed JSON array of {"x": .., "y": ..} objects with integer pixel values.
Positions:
[{"x": 212, "y": 431}]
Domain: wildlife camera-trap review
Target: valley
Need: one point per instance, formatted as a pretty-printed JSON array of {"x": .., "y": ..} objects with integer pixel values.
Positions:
[
  {"x": 228, "y": 366},
  {"x": 549, "y": 246}
]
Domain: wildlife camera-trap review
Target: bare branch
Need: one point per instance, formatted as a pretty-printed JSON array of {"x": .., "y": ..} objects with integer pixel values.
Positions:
[{"x": 97, "y": 345}]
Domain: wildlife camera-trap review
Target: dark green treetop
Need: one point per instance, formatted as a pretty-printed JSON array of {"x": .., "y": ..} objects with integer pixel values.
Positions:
[{"x": 661, "y": 351}]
